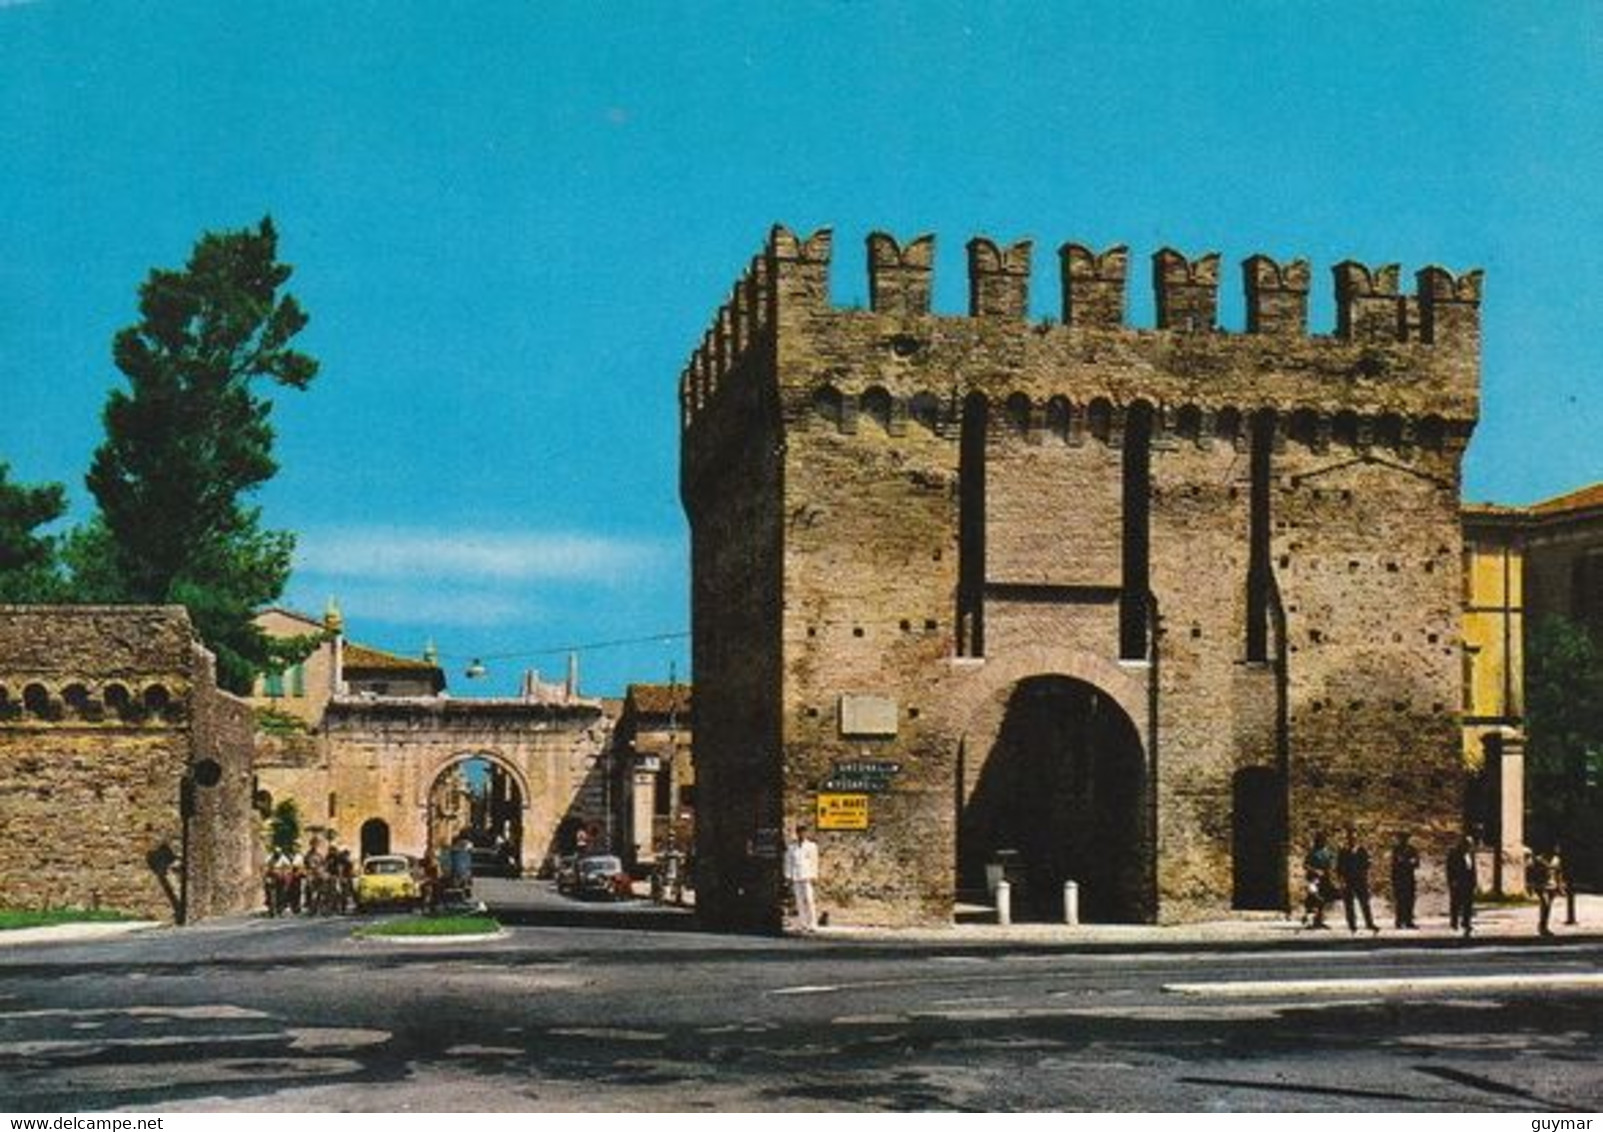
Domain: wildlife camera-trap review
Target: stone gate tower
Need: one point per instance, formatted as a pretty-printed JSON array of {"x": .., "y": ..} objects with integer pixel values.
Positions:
[{"x": 1145, "y": 607}]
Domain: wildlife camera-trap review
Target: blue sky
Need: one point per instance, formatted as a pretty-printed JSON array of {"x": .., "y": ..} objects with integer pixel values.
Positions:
[{"x": 512, "y": 222}]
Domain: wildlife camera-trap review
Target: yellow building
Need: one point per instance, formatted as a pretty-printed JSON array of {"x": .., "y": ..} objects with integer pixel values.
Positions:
[
  {"x": 1520, "y": 564},
  {"x": 1494, "y": 685}
]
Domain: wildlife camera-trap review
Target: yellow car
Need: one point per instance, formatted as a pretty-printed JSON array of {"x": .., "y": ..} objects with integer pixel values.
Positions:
[{"x": 386, "y": 880}]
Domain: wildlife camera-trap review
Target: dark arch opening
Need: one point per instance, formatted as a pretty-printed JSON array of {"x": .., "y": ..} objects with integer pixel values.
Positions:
[
  {"x": 1389, "y": 431},
  {"x": 157, "y": 699},
  {"x": 37, "y": 703},
  {"x": 1188, "y": 423},
  {"x": 1059, "y": 417},
  {"x": 1064, "y": 786},
  {"x": 1017, "y": 410},
  {"x": 925, "y": 408},
  {"x": 375, "y": 838},
  {"x": 78, "y": 702},
  {"x": 1099, "y": 419},
  {"x": 118, "y": 700},
  {"x": 827, "y": 404},
  {"x": 876, "y": 406},
  {"x": 1304, "y": 428}
]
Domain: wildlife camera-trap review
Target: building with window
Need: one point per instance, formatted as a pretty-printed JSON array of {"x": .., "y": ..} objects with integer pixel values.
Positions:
[{"x": 1521, "y": 564}]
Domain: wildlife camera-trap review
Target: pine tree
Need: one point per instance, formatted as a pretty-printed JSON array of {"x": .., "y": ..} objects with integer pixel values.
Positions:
[{"x": 191, "y": 439}]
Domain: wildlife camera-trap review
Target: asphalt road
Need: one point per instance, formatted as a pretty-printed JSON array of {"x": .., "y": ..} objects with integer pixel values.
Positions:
[{"x": 628, "y": 1008}]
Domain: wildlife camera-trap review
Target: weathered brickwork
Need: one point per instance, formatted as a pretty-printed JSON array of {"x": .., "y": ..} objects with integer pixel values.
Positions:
[
  {"x": 1148, "y": 605},
  {"x": 104, "y": 711}
]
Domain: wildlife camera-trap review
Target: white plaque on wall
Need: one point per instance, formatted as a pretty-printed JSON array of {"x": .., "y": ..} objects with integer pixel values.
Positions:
[{"x": 871, "y": 717}]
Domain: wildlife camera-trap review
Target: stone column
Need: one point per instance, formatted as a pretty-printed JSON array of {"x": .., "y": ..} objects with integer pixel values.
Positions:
[{"x": 1510, "y": 877}]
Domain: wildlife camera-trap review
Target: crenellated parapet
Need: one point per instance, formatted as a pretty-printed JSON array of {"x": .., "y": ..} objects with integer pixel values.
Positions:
[
  {"x": 745, "y": 319},
  {"x": 899, "y": 277},
  {"x": 998, "y": 279},
  {"x": 1449, "y": 305},
  {"x": 1382, "y": 335},
  {"x": 1187, "y": 291},
  {"x": 1368, "y": 305},
  {"x": 1093, "y": 285},
  {"x": 1277, "y": 295}
]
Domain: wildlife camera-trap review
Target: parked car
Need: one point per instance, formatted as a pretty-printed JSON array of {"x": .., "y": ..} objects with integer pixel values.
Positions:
[
  {"x": 496, "y": 863},
  {"x": 386, "y": 880},
  {"x": 602, "y": 878}
]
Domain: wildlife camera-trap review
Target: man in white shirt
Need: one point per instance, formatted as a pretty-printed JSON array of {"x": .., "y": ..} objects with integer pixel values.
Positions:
[{"x": 801, "y": 869}]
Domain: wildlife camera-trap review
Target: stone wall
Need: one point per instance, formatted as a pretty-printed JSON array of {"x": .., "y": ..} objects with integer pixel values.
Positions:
[
  {"x": 1243, "y": 545},
  {"x": 103, "y": 713}
]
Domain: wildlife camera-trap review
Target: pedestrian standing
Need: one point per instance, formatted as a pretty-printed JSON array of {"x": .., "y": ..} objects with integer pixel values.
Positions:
[
  {"x": 1352, "y": 868},
  {"x": 1317, "y": 866},
  {"x": 801, "y": 869},
  {"x": 1461, "y": 885},
  {"x": 1545, "y": 877},
  {"x": 1404, "y": 868}
]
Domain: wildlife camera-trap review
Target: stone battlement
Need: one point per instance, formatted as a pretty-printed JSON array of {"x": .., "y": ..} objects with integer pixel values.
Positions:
[{"x": 789, "y": 282}]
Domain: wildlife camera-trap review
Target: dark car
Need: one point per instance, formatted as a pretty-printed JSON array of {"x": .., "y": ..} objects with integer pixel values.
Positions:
[
  {"x": 601, "y": 878},
  {"x": 496, "y": 863}
]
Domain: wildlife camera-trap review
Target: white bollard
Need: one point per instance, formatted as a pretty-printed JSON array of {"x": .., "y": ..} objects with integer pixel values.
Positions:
[
  {"x": 1071, "y": 902},
  {"x": 1004, "y": 902}
]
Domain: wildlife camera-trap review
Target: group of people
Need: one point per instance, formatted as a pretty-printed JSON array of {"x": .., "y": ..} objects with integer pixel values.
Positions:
[
  {"x": 318, "y": 882},
  {"x": 1344, "y": 873}
]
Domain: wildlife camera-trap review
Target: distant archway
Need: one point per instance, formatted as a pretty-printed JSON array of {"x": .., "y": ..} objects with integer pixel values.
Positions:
[
  {"x": 477, "y": 798},
  {"x": 1063, "y": 786}
]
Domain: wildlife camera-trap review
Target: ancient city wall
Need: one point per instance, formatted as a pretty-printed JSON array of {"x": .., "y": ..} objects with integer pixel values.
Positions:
[{"x": 103, "y": 713}]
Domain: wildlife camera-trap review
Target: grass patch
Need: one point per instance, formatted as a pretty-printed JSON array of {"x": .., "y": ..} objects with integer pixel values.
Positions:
[
  {"x": 41, "y": 918},
  {"x": 430, "y": 926}
]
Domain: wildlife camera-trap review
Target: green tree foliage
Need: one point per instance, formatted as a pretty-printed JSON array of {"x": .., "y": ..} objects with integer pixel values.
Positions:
[
  {"x": 28, "y": 559},
  {"x": 190, "y": 440},
  {"x": 1564, "y": 725},
  {"x": 284, "y": 831}
]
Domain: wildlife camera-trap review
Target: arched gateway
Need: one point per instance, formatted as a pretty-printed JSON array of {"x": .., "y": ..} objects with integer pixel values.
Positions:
[
  {"x": 478, "y": 798},
  {"x": 1057, "y": 788}
]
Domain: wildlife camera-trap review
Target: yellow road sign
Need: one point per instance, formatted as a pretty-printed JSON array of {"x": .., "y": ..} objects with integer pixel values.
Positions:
[{"x": 843, "y": 811}]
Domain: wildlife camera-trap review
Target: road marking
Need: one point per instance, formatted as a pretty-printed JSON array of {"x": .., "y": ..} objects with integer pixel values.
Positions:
[
  {"x": 1404, "y": 985},
  {"x": 815, "y": 989},
  {"x": 48, "y": 1046},
  {"x": 608, "y": 1034},
  {"x": 217, "y": 1012}
]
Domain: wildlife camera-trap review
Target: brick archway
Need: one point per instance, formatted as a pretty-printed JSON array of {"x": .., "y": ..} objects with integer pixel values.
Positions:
[{"x": 1054, "y": 763}]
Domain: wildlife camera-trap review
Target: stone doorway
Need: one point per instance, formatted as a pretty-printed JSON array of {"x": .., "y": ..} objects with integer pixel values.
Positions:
[
  {"x": 478, "y": 799},
  {"x": 375, "y": 838},
  {"x": 1258, "y": 840},
  {"x": 1064, "y": 787}
]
